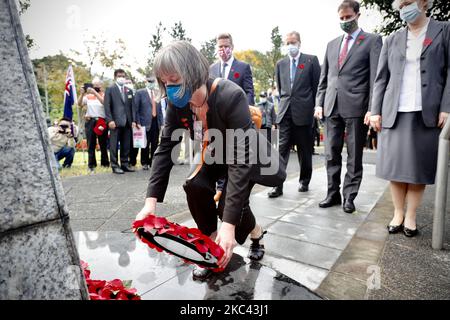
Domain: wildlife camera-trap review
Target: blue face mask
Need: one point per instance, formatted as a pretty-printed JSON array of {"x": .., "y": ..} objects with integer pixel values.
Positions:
[
  {"x": 175, "y": 99},
  {"x": 410, "y": 13}
]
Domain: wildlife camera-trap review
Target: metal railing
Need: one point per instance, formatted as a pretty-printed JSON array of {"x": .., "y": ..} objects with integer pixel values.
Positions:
[{"x": 440, "y": 205}]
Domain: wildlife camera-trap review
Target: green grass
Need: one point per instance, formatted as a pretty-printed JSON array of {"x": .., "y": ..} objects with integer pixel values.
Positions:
[{"x": 80, "y": 166}]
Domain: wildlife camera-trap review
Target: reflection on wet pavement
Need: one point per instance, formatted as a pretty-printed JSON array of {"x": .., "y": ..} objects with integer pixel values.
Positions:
[{"x": 159, "y": 276}]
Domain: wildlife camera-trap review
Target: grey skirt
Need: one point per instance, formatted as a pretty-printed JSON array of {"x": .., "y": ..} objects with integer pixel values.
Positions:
[{"x": 407, "y": 152}]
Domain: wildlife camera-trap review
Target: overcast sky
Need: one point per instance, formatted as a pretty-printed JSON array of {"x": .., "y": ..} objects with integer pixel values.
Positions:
[{"x": 64, "y": 24}]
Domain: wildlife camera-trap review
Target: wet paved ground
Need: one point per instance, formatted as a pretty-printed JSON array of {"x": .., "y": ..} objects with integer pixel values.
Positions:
[{"x": 302, "y": 245}]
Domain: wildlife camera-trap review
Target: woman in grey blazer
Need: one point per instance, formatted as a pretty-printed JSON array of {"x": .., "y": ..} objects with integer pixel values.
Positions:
[{"x": 411, "y": 102}]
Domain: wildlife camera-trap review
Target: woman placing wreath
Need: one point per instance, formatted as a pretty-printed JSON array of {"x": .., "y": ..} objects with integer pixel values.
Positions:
[{"x": 201, "y": 104}]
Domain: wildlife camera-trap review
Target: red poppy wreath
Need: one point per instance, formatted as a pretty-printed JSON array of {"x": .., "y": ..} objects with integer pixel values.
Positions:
[{"x": 189, "y": 244}]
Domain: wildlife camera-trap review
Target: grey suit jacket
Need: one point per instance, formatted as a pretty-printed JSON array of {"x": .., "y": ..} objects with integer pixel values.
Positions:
[
  {"x": 116, "y": 109},
  {"x": 435, "y": 75},
  {"x": 143, "y": 109},
  {"x": 351, "y": 85},
  {"x": 301, "y": 98}
]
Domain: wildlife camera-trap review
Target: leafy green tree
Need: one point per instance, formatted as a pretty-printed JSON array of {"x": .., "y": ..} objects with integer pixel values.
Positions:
[
  {"x": 56, "y": 67},
  {"x": 391, "y": 18},
  {"x": 155, "y": 45},
  {"x": 209, "y": 50},
  {"x": 179, "y": 33},
  {"x": 23, "y": 6}
]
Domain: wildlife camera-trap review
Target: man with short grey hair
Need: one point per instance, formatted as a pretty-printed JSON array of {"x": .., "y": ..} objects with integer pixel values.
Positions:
[
  {"x": 344, "y": 95},
  {"x": 297, "y": 77}
]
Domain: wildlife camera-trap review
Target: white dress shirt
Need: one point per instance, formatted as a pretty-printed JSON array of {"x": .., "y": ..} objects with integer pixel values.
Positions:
[
  {"x": 228, "y": 68},
  {"x": 411, "y": 86},
  {"x": 354, "y": 35}
]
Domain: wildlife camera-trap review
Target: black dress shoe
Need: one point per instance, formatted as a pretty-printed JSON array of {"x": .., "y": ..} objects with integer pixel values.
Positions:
[
  {"x": 127, "y": 169},
  {"x": 200, "y": 274},
  {"x": 276, "y": 192},
  {"x": 117, "y": 171},
  {"x": 410, "y": 233},
  {"x": 395, "y": 229},
  {"x": 349, "y": 206},
  {"x": 257, "y": 250},
  {"x": 331, "y": 201},
  {"x": 303, "y": 189}
]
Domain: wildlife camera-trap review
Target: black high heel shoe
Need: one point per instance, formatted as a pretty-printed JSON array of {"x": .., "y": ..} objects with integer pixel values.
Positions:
[
  {"x": 395, "y": 229},
  {"x": 257, "y": 250},
  {"x": 410, "y": 233}
]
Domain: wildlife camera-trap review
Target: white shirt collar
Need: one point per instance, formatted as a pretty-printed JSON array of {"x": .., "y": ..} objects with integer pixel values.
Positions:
[
  {"x": 229, "y": 62},
  {"x": 296, "y": 58},
  {"x": 354, "y": 34}
]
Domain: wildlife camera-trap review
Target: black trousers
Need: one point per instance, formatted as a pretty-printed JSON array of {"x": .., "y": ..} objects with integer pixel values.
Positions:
[
  {"x": 302, "y": 137},
  {"x": 200, "y": 193},
  {"x": 335, "y": 129},
  {"x": 123, "y": 136},
  {"x": 91, "y": 138},
  {"x": 152, "y": 144}
]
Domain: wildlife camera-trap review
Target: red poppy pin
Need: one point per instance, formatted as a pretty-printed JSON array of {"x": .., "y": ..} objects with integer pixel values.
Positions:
[
  {"x": 360, "y": 39},
  {"x": 301, "y": 66},
  {"x": 237, "y": 75},
  {"x": 427, "y": 42}
]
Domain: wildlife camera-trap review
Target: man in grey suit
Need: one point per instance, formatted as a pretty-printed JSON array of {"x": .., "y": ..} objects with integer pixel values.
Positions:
[
  {"x": 120, "y": 115},
  {"x": 344, "y": 97},
  {"x": 297, "y": 78}
]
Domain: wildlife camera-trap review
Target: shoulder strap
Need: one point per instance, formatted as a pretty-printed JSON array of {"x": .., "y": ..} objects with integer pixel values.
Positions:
[{"x": 214, "y": 86}]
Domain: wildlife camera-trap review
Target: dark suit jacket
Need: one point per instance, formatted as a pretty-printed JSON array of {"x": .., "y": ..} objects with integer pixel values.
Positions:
[
  {"x": 301, "y": 98},
  {"x": 143, "y": 106},
  {"x": 228, "y": 109},
  {"x": 241, "y": 74},
  {"x": 435, "y": 75},
  {"x": 351, "y": 85},
  {"x": 116, "y": 109}
]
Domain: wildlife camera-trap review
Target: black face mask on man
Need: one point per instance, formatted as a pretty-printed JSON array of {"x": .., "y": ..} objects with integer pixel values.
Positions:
[{"x": 350, "y": 25}]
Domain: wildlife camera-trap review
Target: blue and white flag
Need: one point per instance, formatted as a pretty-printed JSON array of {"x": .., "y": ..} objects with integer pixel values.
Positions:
[{"x": 70, "y": 94}]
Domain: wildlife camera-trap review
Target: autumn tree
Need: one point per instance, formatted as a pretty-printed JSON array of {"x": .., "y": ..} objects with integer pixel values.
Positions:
[{"x": 391, "y": 18}]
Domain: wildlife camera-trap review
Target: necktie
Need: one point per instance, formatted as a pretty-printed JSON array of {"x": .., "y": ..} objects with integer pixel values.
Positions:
[
  {"x": 122, "y": 91},
  {"x": 344, "y": 51},
  {"x": 223, "y": 70},
  {"x": 293, "y": 71},
  {"x": 154, "y": 113}
]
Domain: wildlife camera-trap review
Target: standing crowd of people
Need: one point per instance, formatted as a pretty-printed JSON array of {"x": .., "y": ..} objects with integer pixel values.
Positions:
[{"x": 396, "y": 92}]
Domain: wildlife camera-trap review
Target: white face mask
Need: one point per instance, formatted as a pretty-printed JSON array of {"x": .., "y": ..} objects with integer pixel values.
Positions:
[
  {"x": 263, "y": 100},
  {"x": 293, "y": 49},
  {"x": 121, "y": 81}
]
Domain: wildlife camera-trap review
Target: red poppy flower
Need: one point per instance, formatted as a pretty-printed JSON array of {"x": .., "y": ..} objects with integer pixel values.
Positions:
[
  {"x": 427, "y": 42},
  {"x": 301, "y": 66},
  {"x": 237, "y": 75},
  {"x": 202, "y": 243}
]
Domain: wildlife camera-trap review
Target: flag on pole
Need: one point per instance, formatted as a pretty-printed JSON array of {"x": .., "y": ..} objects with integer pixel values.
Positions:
[{"x": 70, "y": 94}]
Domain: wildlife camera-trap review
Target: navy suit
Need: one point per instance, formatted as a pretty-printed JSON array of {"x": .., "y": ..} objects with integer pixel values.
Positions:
[
  {"x": 143, "y": 116},
  {"x": 241, "y": 74}
]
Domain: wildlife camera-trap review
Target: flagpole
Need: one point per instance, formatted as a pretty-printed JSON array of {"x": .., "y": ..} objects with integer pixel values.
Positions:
[{"x": 78, "y": 111}]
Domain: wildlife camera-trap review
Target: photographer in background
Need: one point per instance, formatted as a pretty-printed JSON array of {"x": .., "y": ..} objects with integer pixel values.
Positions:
[
  {"x": 62, "y": 139},
  {"x": 92, "y": 98}
]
